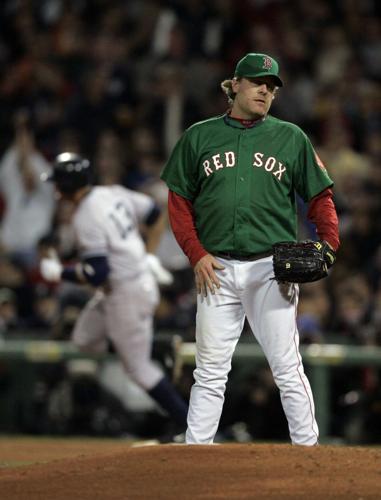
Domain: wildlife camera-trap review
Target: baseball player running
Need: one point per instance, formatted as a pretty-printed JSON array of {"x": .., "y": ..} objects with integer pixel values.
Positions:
[
  {"x": 115, "y": 261},
  {"x": 233, "y": 181}
]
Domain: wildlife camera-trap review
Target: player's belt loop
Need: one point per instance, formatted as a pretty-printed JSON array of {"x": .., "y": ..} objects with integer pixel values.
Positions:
[{"x": 243, "y": 257}]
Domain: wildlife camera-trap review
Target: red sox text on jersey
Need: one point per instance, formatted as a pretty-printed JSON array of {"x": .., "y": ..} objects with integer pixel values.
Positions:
[{"x": 228, "y": 160}]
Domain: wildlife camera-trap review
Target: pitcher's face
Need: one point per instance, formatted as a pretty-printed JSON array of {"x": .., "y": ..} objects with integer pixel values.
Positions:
[{"x": 254, "y": 97}]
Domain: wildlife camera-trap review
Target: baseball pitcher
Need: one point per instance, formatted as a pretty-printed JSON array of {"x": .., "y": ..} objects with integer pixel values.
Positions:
[{"x": 233, "y": 181}]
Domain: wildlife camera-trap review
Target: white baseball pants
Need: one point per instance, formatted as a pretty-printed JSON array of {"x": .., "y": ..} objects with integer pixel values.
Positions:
[
  {"x": 246, "y": 290},
  {"x": 125, "y": 316}
]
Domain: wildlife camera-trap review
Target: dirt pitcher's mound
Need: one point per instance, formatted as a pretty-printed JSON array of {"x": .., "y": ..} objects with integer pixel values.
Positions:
[{"x": 234, "y": 471}]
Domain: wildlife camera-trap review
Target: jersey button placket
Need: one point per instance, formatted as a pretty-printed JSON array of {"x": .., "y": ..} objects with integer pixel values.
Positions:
[{"x": 243, "y": 187}]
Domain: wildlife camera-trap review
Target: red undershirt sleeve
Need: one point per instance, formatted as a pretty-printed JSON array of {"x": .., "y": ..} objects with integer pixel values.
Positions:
[
  {"x": 181, "y": 218},
  {"x": 322, "y": 212}
]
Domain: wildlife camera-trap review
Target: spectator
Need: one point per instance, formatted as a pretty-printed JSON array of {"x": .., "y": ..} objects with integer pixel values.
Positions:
[
  {"x": 28, "y": 204},
  {"x": 9, "y": 320}
]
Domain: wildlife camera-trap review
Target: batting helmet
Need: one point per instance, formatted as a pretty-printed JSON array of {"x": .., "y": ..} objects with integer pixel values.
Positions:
[{"x": 70, "y": 173}]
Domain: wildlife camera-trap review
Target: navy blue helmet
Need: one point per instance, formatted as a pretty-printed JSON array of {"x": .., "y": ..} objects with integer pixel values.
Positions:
[{"x": 70, "y": 173}]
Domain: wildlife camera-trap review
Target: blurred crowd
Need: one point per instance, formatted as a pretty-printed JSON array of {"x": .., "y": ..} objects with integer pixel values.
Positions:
[{"x": 119, "y": 80}]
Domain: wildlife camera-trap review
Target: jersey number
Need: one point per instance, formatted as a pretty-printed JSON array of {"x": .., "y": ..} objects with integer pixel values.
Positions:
[{"x": 122, "y": 219}]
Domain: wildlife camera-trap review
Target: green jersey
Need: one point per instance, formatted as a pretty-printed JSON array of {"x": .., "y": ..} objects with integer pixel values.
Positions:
[{"x": 243, "y": 181}]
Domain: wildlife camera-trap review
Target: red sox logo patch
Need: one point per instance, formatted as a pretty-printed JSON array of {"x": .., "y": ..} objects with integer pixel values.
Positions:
[
  {"x": 319, "y": 162},
  {"x": 267, "y": 63}
]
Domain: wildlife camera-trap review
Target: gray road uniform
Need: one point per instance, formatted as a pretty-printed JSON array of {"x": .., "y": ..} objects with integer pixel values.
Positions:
[
  {"x": 106, "y": 224},
  {"x": 113, "y": 258}
]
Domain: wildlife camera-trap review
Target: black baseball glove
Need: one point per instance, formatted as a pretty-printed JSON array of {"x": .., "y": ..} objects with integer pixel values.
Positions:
[{"x": 302, "y": 262}]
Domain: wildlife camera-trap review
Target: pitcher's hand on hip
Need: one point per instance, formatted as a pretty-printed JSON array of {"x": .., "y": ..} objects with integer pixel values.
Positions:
[{"x": 205, "y": 276}]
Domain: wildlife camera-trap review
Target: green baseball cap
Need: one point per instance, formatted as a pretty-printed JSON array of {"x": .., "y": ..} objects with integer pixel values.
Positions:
[{"x": 253, "y": 65}]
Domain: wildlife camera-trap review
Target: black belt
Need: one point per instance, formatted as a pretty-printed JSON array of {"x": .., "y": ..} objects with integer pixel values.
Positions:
[{"x": 244, "y": 257}]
